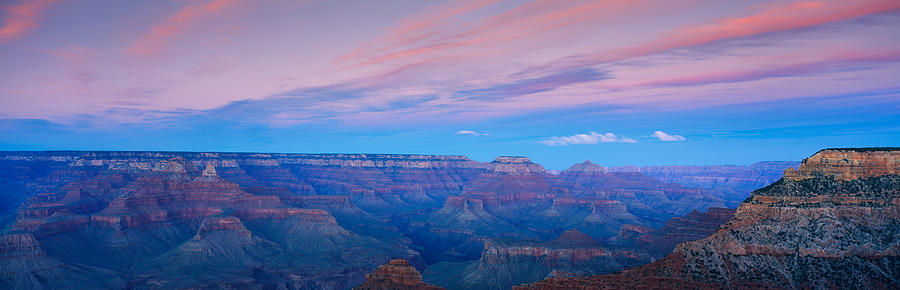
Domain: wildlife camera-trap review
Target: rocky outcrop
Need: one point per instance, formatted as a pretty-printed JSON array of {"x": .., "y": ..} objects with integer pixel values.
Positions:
[
  {"x": 515, "y": 165},
  {"x": 396, "y": 274},
  {"x": 833, "y": 224},
  {"x": 851, "y": 163},
  {"x": 574, "y": 238},
  {"x": 209, "y": 171}
]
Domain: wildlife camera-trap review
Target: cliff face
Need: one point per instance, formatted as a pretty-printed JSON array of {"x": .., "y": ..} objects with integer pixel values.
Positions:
[
  {"x": 849, "y": 164},
  {"x": 833, "y": 224}
]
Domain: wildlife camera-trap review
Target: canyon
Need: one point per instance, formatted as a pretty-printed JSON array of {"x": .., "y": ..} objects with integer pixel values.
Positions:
[
  {"x": 312, "y": 221},
  {"x": 832, "y": 223}
]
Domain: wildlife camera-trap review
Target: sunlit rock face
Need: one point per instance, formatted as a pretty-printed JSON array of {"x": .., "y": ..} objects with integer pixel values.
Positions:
[
  {"x": 834, "y": 223},
  {"x": 849, "y": 164}
]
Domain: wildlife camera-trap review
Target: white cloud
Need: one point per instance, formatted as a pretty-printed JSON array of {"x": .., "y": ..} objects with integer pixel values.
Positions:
[
  {"x": 469, "y": 132},
  {"x": 591, "y": 138},
  {"x": 666, "y": 137}
]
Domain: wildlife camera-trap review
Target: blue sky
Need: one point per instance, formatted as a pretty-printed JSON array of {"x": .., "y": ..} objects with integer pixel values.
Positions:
[{"x": 615, "y": 82}]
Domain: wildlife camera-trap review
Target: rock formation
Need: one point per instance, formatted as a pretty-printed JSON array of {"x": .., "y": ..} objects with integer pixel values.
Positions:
[
  {"x": 164, "y": 219},
  {"x": 834, "y": 223},
  {"x": 396, "y": 274},
  {"x": 851, "y": 163},
  {"x": 517, "y": 165}
]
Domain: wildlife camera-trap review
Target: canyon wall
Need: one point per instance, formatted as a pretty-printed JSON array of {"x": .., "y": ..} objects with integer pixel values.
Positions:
[
  {"x": 833, "y": 223},
  {"x": 166, "y": 219}
]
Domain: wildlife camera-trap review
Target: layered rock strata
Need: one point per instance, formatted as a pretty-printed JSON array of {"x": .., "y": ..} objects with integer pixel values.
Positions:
[
  {"x": 114, "y": 219},
  {"x": 833, "y": 223},
  {"x": 171, "y": 225}
]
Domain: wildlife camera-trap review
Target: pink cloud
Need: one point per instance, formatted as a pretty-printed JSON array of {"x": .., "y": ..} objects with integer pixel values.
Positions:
[
  {"x": 22, "y": 18},
  {"x": 479, "y": 59},
  {"x": 657, "y": 94},
  {"x": 157, "y": 38},
  {"x": 775, "y": 18},
  {"x": 429, "y": 39},
  {"x": 419, "y": 27},
  {"x": 787, "y": 17},
  {"x": 435, "y": 37}
]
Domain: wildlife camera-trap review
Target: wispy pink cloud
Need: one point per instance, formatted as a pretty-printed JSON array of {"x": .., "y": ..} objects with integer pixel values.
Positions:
[
  {"x": 778, "y": 18},
  {"x": 424, "y": 39},
  {"x": 775, "y": 18},
  {"x": 424, "y": 42},
  {"x": 418, "y": 27},
  {"x": 22, "y": 18},
  {"x": 157, "y": 38},
  {"x": 483, "y": 59},
  {"x": 538, "y": 17},
  {"x": 671, "y": 93}
]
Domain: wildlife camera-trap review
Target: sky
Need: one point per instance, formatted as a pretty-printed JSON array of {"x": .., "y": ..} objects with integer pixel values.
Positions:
[{"x": 615, "y": 82}]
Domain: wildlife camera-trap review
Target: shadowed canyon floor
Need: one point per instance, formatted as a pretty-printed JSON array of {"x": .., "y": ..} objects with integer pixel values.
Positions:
[{"x": 311, "y": 221}]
